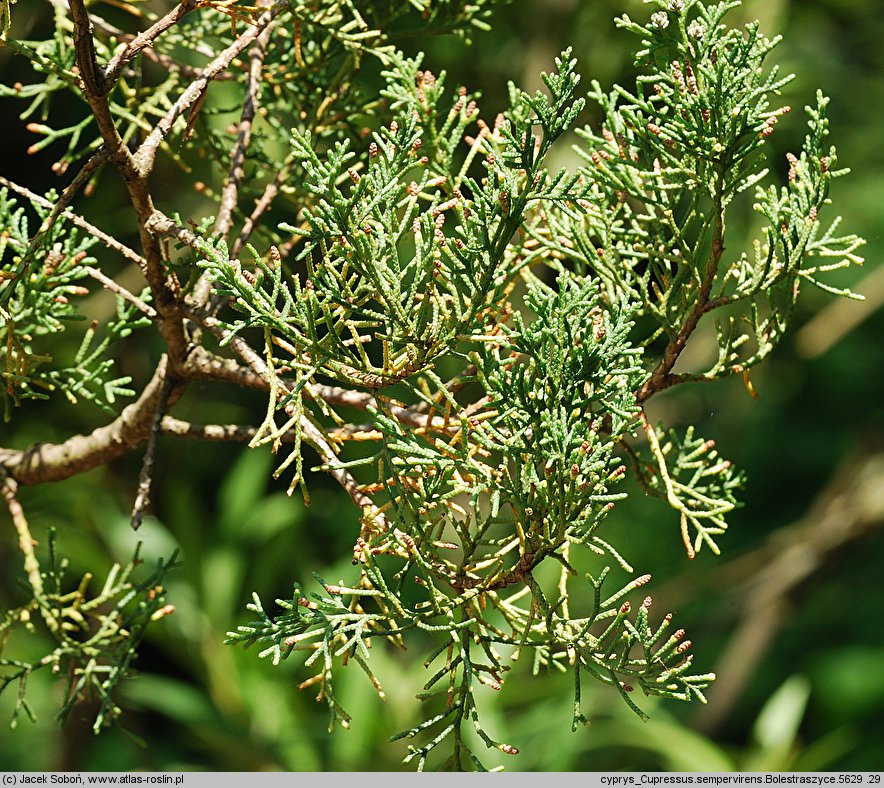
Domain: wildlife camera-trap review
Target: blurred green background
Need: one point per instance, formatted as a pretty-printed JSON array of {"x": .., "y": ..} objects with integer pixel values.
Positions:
[{"x": 790, "y": 615}]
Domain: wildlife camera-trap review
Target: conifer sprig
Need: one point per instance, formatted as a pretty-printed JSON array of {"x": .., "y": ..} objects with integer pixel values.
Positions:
[{"x": 501, "y": 327}]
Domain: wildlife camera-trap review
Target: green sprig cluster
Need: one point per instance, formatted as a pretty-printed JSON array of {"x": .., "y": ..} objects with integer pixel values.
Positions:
[
  {"x": 503, "y": 326},
  {"x": 95, "y": 635},
  {"x": 38, "y": 300},
  {"x": 525, "y": 462}
]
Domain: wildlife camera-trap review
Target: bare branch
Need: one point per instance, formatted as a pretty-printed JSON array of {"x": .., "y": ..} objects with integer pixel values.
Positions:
[
  {"x": 26, "y": 542},
  {"x": 263, "y": 204},
  {"x": 121, "y": 291},
  {"x": 170, "y": 325},
  {"x": 207, "y": 432},
  {"x": 145, "y": 39},
  {"x": 230, "y": 192},
  {"x": 94, "y": 89},
  {"x": 145, "y": 479},
  {"x": 146, "y": 154},
  {"x": 107, "y": 240},
  {"x": 203, "y": 365},
  {"x": 662, "y": 377},
  {"x": 52, "y": 462},
  {"x": 159, "y": 58},
  {"x": 160, "y": 224},
  {"x": 211, "y": 432}
]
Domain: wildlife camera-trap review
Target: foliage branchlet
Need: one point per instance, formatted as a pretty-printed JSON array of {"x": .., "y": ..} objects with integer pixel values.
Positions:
[
  {"x": 500, "y": 326},
  {"x": 94, "y": 635}
]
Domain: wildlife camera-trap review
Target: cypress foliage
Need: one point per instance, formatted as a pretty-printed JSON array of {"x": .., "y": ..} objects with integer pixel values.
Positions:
[{"x": 499, "y": 326}]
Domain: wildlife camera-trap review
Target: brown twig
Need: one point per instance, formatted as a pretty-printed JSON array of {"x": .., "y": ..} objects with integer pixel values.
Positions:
[
  {"x": 662, "y": 377},
  {"x": 145, "y": 39},
  {"x": 107, "y": 240},
  {"x": 25, "y": 540},
  {"x": 94, "y": 89},
  {"x": 55, "y": 462},
  {"x": 145, "y": 479},
  {"x": 230, "y": 191},
  {"x": 121, "y": 291},
  {"x": 50, "y": 462},
  {"x": 135, "y": 175},
  {"x": 84, "y": 47},
  {"x": 146, "y": 154},
  {"x": 159, "y": 58},
  {"x": 94, "y": 163},
  {"x": 261, "y": 207},
  {"x": 203, "y": 365},
  {"x": 210, "y": 432}
]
